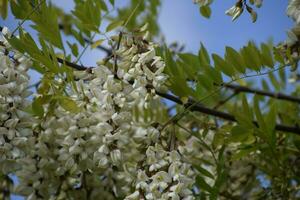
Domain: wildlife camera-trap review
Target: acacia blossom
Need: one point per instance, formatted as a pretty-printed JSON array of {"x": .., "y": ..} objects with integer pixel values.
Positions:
[
  {"x": 293, "y": 10},
  {"x": 100, "y": 149}
]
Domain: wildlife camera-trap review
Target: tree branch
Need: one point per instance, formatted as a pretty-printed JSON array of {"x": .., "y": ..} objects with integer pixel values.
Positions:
[
  {"x": 238, "y": 88},
  {"x": 223, "y": 115},
  {"x": 72, "y": 65}
]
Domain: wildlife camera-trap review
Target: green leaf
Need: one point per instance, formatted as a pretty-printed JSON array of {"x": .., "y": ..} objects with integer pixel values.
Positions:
[
  {"x": 296, "y": 141},
  {"x": 266, "y": 55},
  {"x": 271, "y": 117},
  {"x": 3, "y": 8},
  {"x": 245, "y": 115},
  {"x": 103, "y": 5},
  {"x": 265, "y": 85},
  {"x": 246, "y": 109},
  {"x": 271, "y": 123},
  {"x": 79, "y": 37},
  {"x": 203, "y": 171},
  {"x": 26, "y": 44},
  {"x": 170, "y": 63},
  {"x": 97, "y": 43},
  {"x": 74, "y": 48},
  {"x": 190, "y": 63},
  {"x": 68, "y": 104},
  {"x": 20, "y": 8},
  {"x": 205, "y": 11},
  {"x": 239, "y": 133},
  {"x": 203, "y": 56},
  {"x": 37, "y": 107},
  {"x": 274, "y": 81},
  {"x": 203, "y": 185},
  {"x": 112, "y": 2},
  {"x": 260, "y": 119},
  {"x": 47, "y": 26},
  {"x": 88, "y": 14},
  {"x": 114, "y": 25},
  {"x": 233, "y": 57},
  {"x": 279, "y": 57},
  {"x": 223, "y": 65},
  {"x": 213, "y": 74},
  {"x": 243, "y": 153},
  {"x": 251, "y": 56},
  {"x": 205, "y": 81}
]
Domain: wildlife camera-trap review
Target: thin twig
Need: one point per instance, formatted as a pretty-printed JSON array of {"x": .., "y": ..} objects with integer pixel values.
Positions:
[
  {"x": 195, "y": 106},
  {"x": 238, "y": 88},
  {"x": 132, "y": 13},
  {"x": 220, "y": 103},
  {"x": 84, "y": 49}
]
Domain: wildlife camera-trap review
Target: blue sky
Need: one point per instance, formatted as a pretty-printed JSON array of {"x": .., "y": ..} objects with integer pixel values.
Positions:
[{"x": 180, "y": 21}]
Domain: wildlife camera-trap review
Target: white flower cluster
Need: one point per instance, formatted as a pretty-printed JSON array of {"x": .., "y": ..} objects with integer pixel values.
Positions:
[
  {"x": 293, "y": 10},
  {"x": 15, "y": 124},
  {"x": 291, "y": 45},
  {"x": 100, "y": 150},
  {"x": 163, "y": 175},
  {"x": 140, "y": 66},
  {"x": 236, "y": 10}
]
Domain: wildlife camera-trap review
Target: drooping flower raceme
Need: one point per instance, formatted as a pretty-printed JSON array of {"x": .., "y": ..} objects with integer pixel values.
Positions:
[
  {"x": 98, "y": 150},
  {"x": 16, "y": 132}
]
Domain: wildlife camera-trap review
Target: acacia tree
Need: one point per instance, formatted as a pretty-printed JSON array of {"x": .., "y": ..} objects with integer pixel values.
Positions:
[{"x": 106, "y": 132}]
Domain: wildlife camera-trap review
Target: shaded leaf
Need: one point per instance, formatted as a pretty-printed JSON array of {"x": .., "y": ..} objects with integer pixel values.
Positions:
[{"x": 205, "y": 11}]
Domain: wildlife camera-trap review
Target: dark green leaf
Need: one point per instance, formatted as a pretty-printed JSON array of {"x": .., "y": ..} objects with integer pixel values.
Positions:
[
  {"x": 204, "y": 171},
  {"x": 205, "y": 11},
  {"x": 3, "y": 8}
]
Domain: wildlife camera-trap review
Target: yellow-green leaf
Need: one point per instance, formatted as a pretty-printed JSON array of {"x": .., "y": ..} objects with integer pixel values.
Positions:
[
  {"x": 97, "y": 43},
  {"x": 114, "y": 25},
  {"x": 223, "y": 65},
  {"x": 69, "y": 104}
]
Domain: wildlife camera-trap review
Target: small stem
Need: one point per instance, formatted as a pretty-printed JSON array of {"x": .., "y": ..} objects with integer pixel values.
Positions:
[{"x": 225, "y": 100}]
